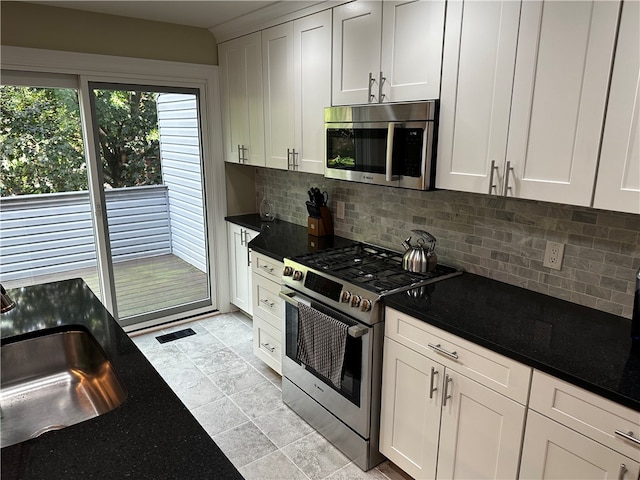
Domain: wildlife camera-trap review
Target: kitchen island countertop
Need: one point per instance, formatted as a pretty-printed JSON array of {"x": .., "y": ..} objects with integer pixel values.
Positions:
[{"x": 150, "y": 435}]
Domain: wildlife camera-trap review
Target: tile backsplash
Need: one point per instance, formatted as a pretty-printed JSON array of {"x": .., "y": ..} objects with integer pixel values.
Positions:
[{"x": 495, "y": 237}]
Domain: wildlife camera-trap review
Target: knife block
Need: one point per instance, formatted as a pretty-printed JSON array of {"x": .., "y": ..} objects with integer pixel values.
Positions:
[{"x": 320, "y": 227}]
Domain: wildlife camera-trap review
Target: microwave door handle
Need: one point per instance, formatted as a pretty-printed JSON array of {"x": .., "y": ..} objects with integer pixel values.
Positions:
[{"x": 389, "y": 160}]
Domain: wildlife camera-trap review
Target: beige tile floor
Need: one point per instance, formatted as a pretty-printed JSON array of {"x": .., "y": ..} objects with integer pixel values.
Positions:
[{"x": 237, "y": 399}]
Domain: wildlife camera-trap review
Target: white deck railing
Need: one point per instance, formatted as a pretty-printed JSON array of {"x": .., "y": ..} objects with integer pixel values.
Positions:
[{"x": 52, "y": 233}]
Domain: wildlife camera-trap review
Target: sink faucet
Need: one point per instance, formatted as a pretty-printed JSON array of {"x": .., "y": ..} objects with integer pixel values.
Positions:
[{"x": 7, "y": 303}]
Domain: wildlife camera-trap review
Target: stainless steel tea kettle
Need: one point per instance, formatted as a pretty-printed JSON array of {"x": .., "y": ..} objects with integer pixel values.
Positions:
[{"x": 418, "y": 258}]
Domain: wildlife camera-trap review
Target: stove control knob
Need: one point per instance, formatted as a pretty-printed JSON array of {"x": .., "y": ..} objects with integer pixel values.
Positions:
[
  {"x": 365, "y": 305},
  {"x": 345, "y": 296},
  {"x": 298, "y": 275},
  {"x": 287, "y": 272},
  {"x": 355, "y": 300}
]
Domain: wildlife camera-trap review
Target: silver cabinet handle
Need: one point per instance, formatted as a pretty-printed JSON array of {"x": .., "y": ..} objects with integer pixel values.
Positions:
[
  {"x": 371, "y": 95},
  {"x": 267, "y": 269},
  {"x": 241, "y": 153},
  {"x": 622, "y": 471},
  {"x": 492, "y": 185},
  {"x": 242, "y": 233},
  {"x": 380, "y": 94},
  {"x": 446, "y": 396},
  {"x": 439, "y": 349},
  {"x": 289, "y": 163},
  {"x": 628, "y": 436},
  {"x": 295, "y": 159},
  {"x": 432, "y": 389},
  {"x": 268, "y": 347},
  {"x": 508, "y": 169},
  {"x": 267, "y": 303}
]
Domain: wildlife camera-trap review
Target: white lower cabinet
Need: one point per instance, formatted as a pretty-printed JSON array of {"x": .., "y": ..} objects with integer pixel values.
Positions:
[
  {"x": 239, "y": 266},
  {"x": 553, "y": 451},
  {"x": 437, "y": 422},
  {"x": 573, "y": 434},
  {"x": 268, "y": 310}
]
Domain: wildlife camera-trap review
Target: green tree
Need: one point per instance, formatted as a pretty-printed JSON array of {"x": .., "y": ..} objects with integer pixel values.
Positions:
[
  {"x": 41, "y": 147},
  {"x": 40, "y": 141},
  {"x": 128, "y": 137}
]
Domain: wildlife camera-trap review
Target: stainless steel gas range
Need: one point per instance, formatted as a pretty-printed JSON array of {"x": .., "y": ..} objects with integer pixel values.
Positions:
[{"x": 334, "y": 329}]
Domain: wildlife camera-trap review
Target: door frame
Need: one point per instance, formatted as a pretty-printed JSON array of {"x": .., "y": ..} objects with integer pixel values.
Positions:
[{"x": 113, "y": 69}]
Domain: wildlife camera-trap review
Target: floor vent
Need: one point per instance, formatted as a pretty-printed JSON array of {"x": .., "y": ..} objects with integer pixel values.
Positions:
[{"x": 170, "y": 337}]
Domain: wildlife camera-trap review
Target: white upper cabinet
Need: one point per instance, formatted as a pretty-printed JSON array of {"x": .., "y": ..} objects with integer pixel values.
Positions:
[
  {"x": 241, "y": 99},
  {"x": 618, "y": 183},
  {"x": 297, "y": 84},
  {"x": 387, "y": 51},
  {"x": 277, "y": 76},
  {"x": 565, "y": 51},
  {"x": 312, "y": 87},
  {"x": 525, "y": 121},
  {"x": 475, "y": 99}
]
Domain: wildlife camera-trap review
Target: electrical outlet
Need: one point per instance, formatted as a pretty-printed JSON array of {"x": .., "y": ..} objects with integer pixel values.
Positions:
[
  {"x": 553, "y": 255},
  {"x": 340, "y": 208}
]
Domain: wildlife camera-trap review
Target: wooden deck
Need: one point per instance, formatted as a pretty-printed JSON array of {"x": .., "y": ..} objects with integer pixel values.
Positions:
[{"x": 142, "y": 285}]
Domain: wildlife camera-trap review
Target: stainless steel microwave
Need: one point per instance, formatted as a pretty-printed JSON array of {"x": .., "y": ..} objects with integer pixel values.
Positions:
[{"x": 385, "y": 144}]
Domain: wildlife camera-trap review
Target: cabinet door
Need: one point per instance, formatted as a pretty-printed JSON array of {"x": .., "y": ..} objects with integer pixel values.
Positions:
[
  {"x": 553, "y": 451},
  {"x": 480, "y": 431},
  {"x": 356, "y": 52},
  {"x": 475, "y": 100},
  {"x": 241, "y": 99},
  {"x": 277, "y": 76},
  {"x": 560, "y": 88},
  {"x": 411, "y": 50},
  {"x": 410, "y": 410},
  {"x": 239, "y": 268},
  {"x": 312, "y": 85},
  {"x": 618, "y": 182}
]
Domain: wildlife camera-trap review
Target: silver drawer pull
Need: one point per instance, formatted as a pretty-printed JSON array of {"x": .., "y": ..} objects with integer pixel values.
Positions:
[
  {"x": 628, "y": 436},
  {"x": 267, "y": 269},
  {"x": 267, "y": 303},
  {"x": 439, "y": 349},
  {"x": 622, "y": 472},
  {"x": 268, "y": 347}
]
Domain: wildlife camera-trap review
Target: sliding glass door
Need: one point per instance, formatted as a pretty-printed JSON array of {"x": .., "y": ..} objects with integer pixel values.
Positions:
[
  {"x": 106, "y": 182},
  {"x": 151, "y": 171}
]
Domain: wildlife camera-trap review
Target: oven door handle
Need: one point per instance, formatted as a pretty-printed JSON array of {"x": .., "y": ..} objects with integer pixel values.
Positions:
[{"x": 355, "y": 331}]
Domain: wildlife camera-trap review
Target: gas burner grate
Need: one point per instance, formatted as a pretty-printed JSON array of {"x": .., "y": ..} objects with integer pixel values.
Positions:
[{"x": 373, "y": 268}]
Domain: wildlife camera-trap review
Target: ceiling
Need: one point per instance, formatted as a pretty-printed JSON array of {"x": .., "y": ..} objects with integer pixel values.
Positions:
[{"x": 203, "y": 13}]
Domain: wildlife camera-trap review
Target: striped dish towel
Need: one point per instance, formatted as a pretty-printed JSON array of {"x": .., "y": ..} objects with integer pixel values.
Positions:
[{"x": 321, "y": 343}]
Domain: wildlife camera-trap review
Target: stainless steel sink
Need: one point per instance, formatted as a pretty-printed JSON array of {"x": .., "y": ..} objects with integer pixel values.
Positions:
[{"x": 54, "y": 380}]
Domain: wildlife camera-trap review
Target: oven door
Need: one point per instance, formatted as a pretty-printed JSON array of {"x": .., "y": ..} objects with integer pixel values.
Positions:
[{"x": 351, "y": 401}]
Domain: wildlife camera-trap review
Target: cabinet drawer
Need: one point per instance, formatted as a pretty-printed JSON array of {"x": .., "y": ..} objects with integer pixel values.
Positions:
[
  {"x": 267, "y": 344},
  {"x": 502, "y": 374},
  {"x": 586, "y": 412},
  {"x": 266, "y": 301},
  {"x": 267, "y": 267}
]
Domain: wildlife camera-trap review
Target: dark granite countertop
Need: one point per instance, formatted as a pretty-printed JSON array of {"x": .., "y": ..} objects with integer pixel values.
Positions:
[
  {"x": 151, "y": 435},
  {"x": 581, "y": 345},
  {"x": 280, "y": 239}
]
